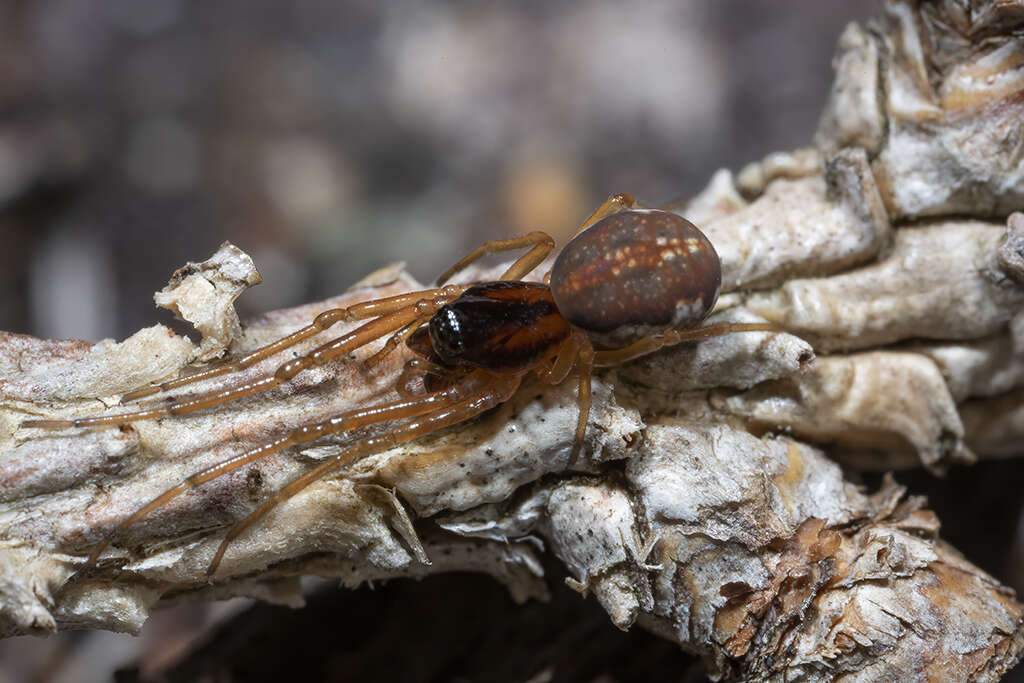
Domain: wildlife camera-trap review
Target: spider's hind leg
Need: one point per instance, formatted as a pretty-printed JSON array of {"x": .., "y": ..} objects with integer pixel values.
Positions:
[{"x": 540, "y": 244}]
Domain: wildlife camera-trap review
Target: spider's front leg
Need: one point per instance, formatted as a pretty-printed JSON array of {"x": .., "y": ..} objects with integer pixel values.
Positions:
[
  {"x": 365, "y": 334},
  {"x": 327, "y": 319}
]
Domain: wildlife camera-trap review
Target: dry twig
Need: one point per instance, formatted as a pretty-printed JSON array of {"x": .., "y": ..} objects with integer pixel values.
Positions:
[{"x": 706, "y": 508}]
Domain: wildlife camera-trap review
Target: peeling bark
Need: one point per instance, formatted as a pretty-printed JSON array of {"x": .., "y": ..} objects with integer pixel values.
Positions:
[{"x": 707, "y": 506}]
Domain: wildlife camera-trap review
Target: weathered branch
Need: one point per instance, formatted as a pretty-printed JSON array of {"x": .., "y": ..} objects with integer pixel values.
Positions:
[{"x": 707, "y": 507}]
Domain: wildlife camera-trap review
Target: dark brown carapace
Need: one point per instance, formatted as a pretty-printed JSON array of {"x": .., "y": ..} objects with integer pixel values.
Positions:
[
  {"x": 499, "y": 326},
  {"x": 630, "y": 282}
]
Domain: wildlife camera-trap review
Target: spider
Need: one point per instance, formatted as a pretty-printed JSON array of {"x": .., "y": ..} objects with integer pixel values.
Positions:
[{"x": 632, "y": 280}]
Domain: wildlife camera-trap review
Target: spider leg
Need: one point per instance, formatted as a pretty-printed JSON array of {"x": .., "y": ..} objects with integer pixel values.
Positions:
[
  {"x": 565, "y": 358},
  {"x": 531, "y": 259},
  {"x": 394, "y": 341},
  {"x": 475, "y": 394},
  {"x": 375, "y": 329},
  {"x": 419, "y": 368},
  {"x": 540, "y": 244},
  {"x": 586, "y": 357},
  {"x": 359, "y": 311},
  {"x": 672, "y": 337},
  {"x": 621, "y": 201},
  {"x": 404, "y": 381},
  {"x": 576, "y": 347},
  {"x": 343, "y": 422}
]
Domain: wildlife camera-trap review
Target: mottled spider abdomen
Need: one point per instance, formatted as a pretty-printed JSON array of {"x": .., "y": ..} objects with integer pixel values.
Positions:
[
  {"x": 636, "y": 273},
  {"x": 497, "y": 325}
]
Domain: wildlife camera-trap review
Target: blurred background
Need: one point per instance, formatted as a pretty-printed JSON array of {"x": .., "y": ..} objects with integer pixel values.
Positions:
[{"x": 328, "y": 138}]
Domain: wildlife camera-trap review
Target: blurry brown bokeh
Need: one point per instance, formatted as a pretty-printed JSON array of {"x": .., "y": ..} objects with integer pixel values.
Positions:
[{"x": 327, "y": 139}]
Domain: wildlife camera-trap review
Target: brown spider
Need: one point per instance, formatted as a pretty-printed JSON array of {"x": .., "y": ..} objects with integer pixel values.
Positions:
[{"x": 631, "y": 281}]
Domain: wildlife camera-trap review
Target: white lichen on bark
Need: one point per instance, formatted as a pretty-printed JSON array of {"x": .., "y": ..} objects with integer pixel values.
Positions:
[
  {"x": 204, "y": 294},
  {"x": 708, "y": 506}
]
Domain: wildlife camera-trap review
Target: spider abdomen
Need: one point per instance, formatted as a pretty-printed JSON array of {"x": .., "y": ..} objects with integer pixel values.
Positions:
[
  {"x": 498, "y": 326},
  {"x": 636, "y": 273}
]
